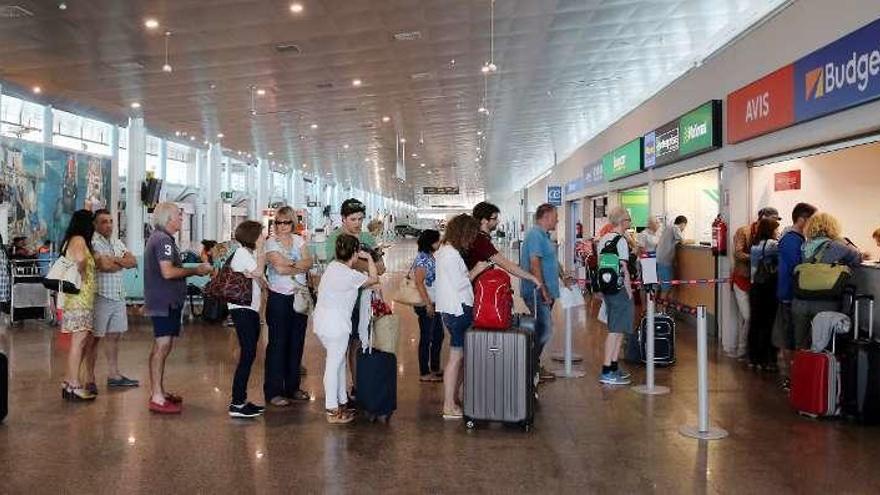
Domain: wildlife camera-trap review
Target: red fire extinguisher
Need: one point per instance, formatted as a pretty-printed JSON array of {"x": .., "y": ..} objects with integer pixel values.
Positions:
[{"x": 719, "y": 236}]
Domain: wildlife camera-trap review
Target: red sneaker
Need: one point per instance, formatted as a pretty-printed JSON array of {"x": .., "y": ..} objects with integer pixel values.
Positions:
[{"x": 167, "y": 408}]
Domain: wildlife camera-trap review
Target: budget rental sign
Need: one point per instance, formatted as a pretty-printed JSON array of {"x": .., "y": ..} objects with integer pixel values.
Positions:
[{"x": 840, "y": 75}]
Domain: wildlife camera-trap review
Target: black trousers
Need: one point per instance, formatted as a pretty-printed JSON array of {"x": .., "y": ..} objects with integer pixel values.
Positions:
[
  {"x": 247, "y": 327},
  {"x": 762, "y": 299},
  {"x": 430, "y": 341},
  {"x": 287, "y": 337}
]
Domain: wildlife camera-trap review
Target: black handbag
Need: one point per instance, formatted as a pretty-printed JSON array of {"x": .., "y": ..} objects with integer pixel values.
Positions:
[{"x": 214, "y": 310}]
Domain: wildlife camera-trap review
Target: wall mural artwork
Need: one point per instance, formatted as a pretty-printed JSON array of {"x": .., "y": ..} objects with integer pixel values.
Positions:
[{"x": 46, "y": 185}]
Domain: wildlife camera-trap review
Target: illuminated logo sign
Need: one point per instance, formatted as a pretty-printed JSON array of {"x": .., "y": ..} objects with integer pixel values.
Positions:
[
  {"x": 695, "y": 132},
  {"x": 623, "y": 161}
]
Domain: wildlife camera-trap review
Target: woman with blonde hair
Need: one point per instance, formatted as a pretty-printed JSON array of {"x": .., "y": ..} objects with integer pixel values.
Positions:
[
  {"x": 288, "y": 260},
  {"x": 824, "y": 244}
]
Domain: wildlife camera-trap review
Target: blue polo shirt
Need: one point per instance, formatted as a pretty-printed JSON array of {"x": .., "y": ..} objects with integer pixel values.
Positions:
[{"x": 538, "y": 243}]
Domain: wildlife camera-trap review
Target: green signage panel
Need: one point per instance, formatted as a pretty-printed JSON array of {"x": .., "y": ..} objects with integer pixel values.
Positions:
[
  {"x": 695, "y": 129},
  {"x": 623, "y": 161},
  {"x": 635, "y": 201}
]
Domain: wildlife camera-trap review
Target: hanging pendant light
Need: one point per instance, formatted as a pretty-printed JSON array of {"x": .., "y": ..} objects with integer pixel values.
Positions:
[{"x": 167, "y": 66}]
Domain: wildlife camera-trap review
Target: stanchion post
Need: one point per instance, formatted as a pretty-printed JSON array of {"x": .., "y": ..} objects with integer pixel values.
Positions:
[
  {"x": 568, "y": 372},
  {"x": 649, "y": 388},
  {"x": 702, "y": 431}
]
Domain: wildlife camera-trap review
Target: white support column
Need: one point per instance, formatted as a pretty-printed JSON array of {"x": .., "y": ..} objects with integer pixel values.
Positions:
[
  {"x": 200, "y": 181},
  {"x": 263, "y": 184},
  {"x": 113, "y": 200},
  {"x": 4, "y": 208},
  {"x": 735, "y": 211},
  {"x": 137, "y": 163},
  {"x": 162, "y": 172},
  {"x": 212, "y": 190},
  {"x": 48, "y": 124}
]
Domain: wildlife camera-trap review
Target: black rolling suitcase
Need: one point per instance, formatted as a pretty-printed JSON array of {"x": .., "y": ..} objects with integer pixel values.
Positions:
[
  {"x": 377, "y": 383},
  {"x": 499, "y": 367},
  {"x": 664, "y": 340},
  {"x": 4, "y": 386},
  {"x": 860, "y": 368}
]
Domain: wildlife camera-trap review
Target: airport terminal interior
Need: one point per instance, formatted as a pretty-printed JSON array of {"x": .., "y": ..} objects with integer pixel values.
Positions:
[{"x": 291, "y": 246}]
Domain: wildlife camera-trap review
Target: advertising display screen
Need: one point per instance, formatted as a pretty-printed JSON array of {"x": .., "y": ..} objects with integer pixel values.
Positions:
[{"x": 695, "y": 132}]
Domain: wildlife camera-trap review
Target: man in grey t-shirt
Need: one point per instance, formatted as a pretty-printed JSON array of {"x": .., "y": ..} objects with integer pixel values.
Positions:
[
  {"x": 671, "y": 238},
  {"x": 164, "y": 295}
]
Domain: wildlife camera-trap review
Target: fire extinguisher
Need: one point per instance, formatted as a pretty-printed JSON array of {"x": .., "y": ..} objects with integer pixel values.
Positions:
[{"x": 719, "y": 236}]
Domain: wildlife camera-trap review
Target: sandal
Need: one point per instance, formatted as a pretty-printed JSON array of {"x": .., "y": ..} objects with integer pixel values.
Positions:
[
  {"x": 453, "y": 414},
  {"x": 279, "y": 401}
]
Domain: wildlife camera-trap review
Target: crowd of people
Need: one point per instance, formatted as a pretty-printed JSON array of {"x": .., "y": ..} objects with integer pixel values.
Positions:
[{"x": 773, "y": 320}]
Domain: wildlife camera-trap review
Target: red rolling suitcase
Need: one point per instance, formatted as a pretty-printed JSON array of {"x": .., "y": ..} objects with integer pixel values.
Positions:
[{"x": 815, "y": 383}]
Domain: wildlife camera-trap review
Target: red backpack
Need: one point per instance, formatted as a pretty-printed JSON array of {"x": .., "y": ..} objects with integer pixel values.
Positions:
[{"x": 493, "y": 300}]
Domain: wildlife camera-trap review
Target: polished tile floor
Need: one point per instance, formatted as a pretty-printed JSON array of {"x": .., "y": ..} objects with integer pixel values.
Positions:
[{"x": 587, "y": 438}]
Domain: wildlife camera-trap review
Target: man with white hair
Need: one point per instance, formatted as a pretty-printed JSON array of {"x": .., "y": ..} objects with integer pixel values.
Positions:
[
  {"x": 164, "y": 296},
  {"x": 618, "y": 297}
]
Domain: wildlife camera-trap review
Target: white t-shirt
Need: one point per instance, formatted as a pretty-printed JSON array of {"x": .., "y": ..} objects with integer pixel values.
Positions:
[
  {"x": 337, "y": 295},
  {"x": 453, "y": 285},
  {"x": 243, "y": 261},
  {"x": 648, "y": 241}
]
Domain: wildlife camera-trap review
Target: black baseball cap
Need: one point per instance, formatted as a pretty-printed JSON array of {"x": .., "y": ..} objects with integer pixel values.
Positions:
[{"x": 351, "y": 206}]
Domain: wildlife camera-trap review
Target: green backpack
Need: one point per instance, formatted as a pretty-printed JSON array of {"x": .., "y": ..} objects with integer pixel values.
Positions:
[
  {"x": 816, "y": 280},
  {"x": 608, "y": 274}
]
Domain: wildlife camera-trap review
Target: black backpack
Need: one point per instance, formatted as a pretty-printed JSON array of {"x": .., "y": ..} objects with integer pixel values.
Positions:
[{"x": 608, "y": 276}]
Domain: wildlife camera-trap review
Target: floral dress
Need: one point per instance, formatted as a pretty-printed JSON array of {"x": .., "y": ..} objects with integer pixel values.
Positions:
[{"x": 79, "y": 308}]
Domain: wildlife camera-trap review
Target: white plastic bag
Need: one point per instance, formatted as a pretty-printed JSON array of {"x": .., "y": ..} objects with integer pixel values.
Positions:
[{"x": 570, "y": 297}]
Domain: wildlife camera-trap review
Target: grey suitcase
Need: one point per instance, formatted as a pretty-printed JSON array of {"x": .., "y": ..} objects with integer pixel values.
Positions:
[{"x": 498, "y": 371}]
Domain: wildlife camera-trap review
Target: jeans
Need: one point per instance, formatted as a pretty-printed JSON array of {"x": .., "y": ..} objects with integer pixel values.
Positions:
[
  {"x": 735, "y": 337},
  {"x": 335, "y": 370},
  {"x": 543, "y": 322},
  {"x": 430, "y": 341},
  {"x": 247, "y": 327},
  {"x": 287, "y": 336},
  {"x": 665, "y": 273}
]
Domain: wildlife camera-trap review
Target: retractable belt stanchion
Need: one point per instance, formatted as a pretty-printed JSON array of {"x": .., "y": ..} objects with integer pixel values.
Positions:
[
  {"x": 702, "y": 431},
  {"x": 649, "y": 388}
]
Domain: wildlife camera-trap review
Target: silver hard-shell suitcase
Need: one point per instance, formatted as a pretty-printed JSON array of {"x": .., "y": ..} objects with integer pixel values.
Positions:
[{"x": 498, "y": 384}]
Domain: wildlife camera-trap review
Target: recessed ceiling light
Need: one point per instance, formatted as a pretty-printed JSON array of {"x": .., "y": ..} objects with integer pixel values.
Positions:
[
  {"x": 271, "y": 153},
  {"x": 314, "y": 126},
  {"x": 477, "y": 159},
  {"x": 167, "y": 68},
  {"x": 479, "y": 133},
  {"x": 381, "y": 168},
  {"x": 205, "y": 142},
  {"x": 482, "y": 110},
  {"x": 151, "y": 23},
  {"x": 429, "y": 172},
  {"x": 402, "y": 140},
  {"x": 305, "y": 165},
  {"x": 345, "y": 146},
  {"x": 192, "y": 138},
  {"x": 422, "y": 165},
  {"x": 62, "y": 6},
  {"x": 356, "y": 82},
  {"x": 415, "y": 155},
  {"x": 261, "y": 92},
  {"x": 329, "y": 173},
  {"x": 239, "y": 152},
  {"x": 177, "y": 133},
  {"x": 296, "y": 8},
  {"x": 37, "y": 90},
  {"x": 367, "y": 160},
  {"x": 386, "y": 119},
  {"x": 219, "y": 135},
  {"x": 135, "y": 105}
]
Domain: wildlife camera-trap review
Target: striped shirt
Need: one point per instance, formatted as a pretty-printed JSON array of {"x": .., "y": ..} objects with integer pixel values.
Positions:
[{"x": 109, "y": 284}]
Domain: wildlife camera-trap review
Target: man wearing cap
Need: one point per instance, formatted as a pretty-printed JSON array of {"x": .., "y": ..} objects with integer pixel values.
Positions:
[
  {"x": 735, "y": 337},
  {"x": 353, "y": 212}
]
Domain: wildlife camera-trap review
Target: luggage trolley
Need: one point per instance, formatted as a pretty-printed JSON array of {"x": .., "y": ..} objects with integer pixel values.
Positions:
[{"x": 29, "y": 299}]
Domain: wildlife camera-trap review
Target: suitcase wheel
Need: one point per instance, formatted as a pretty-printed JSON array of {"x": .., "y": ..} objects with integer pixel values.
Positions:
[
  {"x": 470, "y": 424},
  {"x": 527, "y": 427}
]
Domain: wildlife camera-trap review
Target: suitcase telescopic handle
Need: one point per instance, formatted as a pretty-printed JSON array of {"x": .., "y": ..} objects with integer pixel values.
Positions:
[{"x": 856, "y": 306}]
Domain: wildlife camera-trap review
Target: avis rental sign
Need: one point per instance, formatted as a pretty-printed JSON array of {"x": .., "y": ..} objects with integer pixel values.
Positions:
[{"x": 840, "y": 75}]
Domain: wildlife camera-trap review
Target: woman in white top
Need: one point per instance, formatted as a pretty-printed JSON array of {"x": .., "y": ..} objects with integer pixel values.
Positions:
[
  {"x": 337, "y": 295},
  {"x": 289, "y": 261},
  {"x": 249, "y": 260},
  {"x": 454, "y": 300}
]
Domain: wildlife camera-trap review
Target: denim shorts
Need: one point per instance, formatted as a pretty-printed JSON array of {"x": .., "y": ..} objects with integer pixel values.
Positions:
[
  {"x": 167, "y": 326},
  {"x": 458, "y": 325}
]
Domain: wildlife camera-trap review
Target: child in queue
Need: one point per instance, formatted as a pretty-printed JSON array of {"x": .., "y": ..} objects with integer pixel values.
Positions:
[{"x": 337, "y": 295}]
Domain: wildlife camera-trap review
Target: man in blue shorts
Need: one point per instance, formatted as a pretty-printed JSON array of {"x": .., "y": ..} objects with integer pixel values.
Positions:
[{"x": 164, "y": 296}]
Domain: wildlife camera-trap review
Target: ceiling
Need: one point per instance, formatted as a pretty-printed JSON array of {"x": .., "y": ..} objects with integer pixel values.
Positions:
[{"x": 566, "y": 70}]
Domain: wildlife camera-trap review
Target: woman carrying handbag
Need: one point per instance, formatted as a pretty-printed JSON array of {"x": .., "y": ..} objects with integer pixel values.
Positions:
[
  {"x": 287, "y": 310},
  {"x": 79, "y": 308}
]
